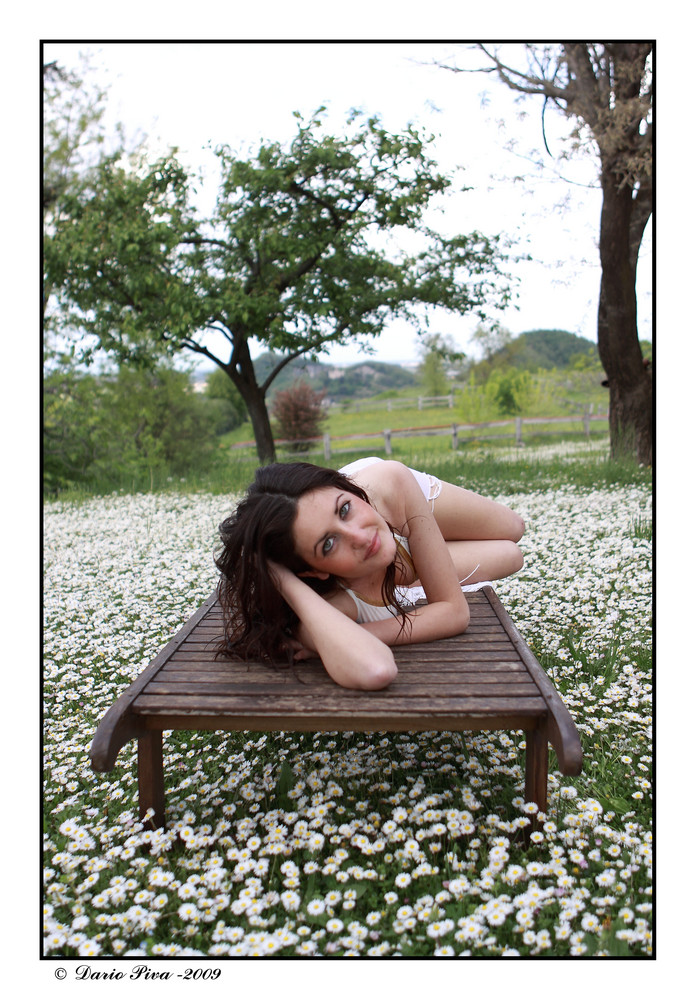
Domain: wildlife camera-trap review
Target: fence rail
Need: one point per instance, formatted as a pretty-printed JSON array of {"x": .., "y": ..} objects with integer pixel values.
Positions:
[
  {"x": 474, "y": 432},
  {"x": 399, "y": 402}
]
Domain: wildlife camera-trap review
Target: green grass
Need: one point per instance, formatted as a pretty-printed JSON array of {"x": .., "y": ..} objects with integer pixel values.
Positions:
[{"x": 483, "y": 467}]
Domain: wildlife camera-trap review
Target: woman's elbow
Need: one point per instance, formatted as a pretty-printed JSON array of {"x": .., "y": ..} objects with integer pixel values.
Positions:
[
  {"x": 380, "y": 674},
  {"x": 463, "y": 619},
  {"x": 457, "y": 619}
]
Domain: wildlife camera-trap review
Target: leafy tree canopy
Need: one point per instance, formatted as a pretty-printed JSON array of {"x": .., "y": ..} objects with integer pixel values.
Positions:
[{"x": 292, "y": 257}]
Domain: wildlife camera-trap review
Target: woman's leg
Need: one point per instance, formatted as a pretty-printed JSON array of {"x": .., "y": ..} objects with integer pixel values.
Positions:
[
  {"x": 481, "y": 534},
  {"x": 488, "y": 559},
  {"x": 462, "y": 516}
]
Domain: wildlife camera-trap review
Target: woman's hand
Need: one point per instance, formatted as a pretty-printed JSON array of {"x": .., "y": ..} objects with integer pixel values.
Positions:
[
  {"x": 280, "y": 575},
  {"x": 299, "y": 650},
  {"x": 303, "y": 642},
  {"x": 300, "y": 643},
  {"x": 351, "y": 656}
]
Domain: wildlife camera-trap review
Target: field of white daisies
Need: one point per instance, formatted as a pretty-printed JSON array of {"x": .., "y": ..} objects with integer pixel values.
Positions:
[{"x": 349, "y": 844}]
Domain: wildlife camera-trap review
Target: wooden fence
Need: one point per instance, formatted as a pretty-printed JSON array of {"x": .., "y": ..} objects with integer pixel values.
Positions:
[
  {"x": 461, "y": 434},
  {"x": 399, "y": 402}
]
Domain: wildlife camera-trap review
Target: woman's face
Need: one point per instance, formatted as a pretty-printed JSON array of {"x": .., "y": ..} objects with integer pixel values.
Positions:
[{"x": 337, "y": 533}]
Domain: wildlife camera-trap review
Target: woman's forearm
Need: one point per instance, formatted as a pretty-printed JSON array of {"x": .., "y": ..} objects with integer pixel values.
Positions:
[
  {"x": 352, "y": 656},
  {"x": 434, "y": 621}
]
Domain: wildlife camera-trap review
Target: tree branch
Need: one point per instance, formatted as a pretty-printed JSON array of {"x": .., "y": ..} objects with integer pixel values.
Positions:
[
  {"x": 522, "y": 82},
  {"x": 204, "y": 240},
  {"x": 197, "y": 348},
  {"x": 306, "y": 349}
]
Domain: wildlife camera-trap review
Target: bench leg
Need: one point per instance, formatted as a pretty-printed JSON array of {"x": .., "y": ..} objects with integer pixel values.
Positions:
[
  {"x": 537, "y": 767},
  {"x": 151, "y": 777}
]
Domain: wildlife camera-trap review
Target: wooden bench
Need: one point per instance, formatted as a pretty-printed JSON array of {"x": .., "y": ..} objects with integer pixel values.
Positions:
[{"x": 485, "y": 679}]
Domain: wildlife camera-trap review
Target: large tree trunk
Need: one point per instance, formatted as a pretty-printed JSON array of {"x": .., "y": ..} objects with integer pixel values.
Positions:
[
  {"x": 241, "y": 371},
  {"x": 261, "y": 424},
  {"x": 630, "y": 385}
]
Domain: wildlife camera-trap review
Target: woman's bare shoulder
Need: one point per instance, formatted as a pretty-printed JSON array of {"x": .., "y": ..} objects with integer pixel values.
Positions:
[{"x": 384, "y": 483}]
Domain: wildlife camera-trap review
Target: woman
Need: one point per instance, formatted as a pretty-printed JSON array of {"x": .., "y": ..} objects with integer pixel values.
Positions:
[{"x": 316, "y": 562}]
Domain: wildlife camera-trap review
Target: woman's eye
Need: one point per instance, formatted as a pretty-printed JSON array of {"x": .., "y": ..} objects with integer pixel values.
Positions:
[
  {"x": 345, "y": 509},
  {"x": 328, "y": 545}
]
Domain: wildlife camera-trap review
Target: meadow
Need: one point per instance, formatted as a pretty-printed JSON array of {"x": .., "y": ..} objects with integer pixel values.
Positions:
[{"x": 353, "y": 844}]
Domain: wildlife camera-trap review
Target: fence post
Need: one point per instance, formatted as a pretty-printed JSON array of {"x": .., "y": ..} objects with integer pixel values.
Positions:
[
  {"x": 327, "y": 447},
  {"x": 451, "y": 400},
  {"x": 586, "y": 421},
  {"x": 420, "y": 402},
  {"x": 455, "y": 437},
  {"x": 387, "y": 443},
  {"x": 518, "y": 431}
]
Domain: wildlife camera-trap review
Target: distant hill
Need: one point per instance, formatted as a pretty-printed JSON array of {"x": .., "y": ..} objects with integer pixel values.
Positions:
[
  {"x": 352, "y": 382},
  {"x": 545, "y": 349}
]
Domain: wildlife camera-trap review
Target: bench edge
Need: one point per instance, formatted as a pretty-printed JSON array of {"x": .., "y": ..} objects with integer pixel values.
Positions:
[
  {"x": 563, "y": 734},
  {"x": 120, "y": 724}
]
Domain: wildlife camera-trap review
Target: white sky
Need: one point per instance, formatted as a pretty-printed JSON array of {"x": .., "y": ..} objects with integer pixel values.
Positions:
[{"x": 196, "y": 95}]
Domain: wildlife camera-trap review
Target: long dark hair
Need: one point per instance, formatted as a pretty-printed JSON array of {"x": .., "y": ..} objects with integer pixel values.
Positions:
[{"x": 257, "y": 621}]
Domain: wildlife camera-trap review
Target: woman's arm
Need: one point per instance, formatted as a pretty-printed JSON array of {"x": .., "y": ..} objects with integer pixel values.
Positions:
[
  {"x": 398, "y": 497},
  {"x": 352, "y": 656}
]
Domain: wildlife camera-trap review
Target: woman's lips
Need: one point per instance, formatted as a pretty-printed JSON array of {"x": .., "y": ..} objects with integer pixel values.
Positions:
[{"x": 375, "y": 546}]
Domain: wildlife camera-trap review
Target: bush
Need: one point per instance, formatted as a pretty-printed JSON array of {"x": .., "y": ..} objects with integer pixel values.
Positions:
[
  {"x": 299, "y": 414},
  {"x": 102, "y": 431},
  {"x": 510, "y": 391}
]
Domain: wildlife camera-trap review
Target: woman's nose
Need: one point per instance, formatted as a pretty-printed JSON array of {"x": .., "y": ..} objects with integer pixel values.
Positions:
[{"x": 359, "y": 537}]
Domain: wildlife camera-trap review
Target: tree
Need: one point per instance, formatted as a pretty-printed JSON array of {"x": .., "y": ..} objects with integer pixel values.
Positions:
[
  {"x": 75, "y": 138},
  {"x": 437, "y": 352},
  {"x": 291, "y": 257},
  {"x": 492, "y": 340},
  {"x": 509, "y": 390},
  {"x": 606, "y": 88}
]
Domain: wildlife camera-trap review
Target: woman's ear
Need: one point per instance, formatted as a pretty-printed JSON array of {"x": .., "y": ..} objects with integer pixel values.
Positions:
[{"x": 315, "y": 573}]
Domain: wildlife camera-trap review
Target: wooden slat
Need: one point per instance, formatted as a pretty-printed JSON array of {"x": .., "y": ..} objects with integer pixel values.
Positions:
[
  {"x": 562, "y": 732},
  {"x": 424, "y": 663},
  {"x": 236, "y": 679},
  {"x": 230, "y": 691},
  {"x": 345, "y": 722},
  {"x": 193, "y": 704},
  {"x": 120, "y": 724}
]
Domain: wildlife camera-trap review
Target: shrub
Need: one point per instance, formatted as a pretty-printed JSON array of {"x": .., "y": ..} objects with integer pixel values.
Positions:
[
  {"x": 299, "y": 414},
  {"x": 129, "y": 425},
  {"x": 510, "y": 391}
]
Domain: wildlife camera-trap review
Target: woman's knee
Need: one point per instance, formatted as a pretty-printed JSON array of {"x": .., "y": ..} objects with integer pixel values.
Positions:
[
  {"x": 509, "y": 558},
  {"x": 516, "y": 556},
  {"x": 518, "y": 527}
]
